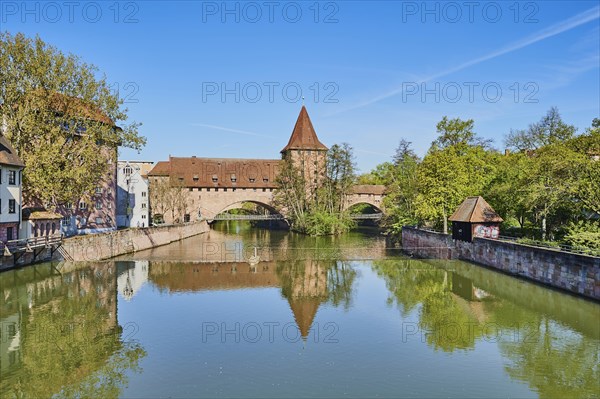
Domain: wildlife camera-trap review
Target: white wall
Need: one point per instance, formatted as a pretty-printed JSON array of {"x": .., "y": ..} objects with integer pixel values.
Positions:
[
  {"x": 132, "y": 193},
  {"x": 8, "y": 192}
]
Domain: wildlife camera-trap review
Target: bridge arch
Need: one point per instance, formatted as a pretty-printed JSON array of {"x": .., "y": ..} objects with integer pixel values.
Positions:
[
  {"x": 213, "y": 202},
  {"x": 376, "y": 206},
  {"x": 239, "y": 204}
]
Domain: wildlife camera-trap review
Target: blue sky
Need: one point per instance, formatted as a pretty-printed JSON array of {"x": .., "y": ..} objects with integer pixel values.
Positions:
[{"x": 371, "y": 72}]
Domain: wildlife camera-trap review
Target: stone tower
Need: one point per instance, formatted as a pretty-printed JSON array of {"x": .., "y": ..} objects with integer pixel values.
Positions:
[{"x": 306, "y": 152}]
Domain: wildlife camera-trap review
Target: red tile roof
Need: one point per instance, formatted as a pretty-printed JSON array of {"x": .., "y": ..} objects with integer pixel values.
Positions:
[
  {"x": 304, "y": 136},
  {"x": 219, "y": 172},
  {"x": 475, "y": 210},
  {"x": 8, "y": 155}
]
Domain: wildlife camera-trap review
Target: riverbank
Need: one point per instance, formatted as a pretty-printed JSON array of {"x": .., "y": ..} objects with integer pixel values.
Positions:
[
  {"x": 575, "y": 273},
  {"x": 108, "y": 245},
  {"x": 101, "y": 246}
]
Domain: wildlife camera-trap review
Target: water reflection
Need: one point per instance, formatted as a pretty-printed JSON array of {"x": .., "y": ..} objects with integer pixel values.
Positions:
[
  {"x": 305, "y": 284},
  {"x": 60, "y": 333},
  {"x": 403, "y": 327},
  {"x": 549, "y": 340}
]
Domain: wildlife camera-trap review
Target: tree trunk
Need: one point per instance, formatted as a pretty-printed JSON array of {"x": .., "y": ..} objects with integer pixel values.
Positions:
[
  {"x": 543, "y": 227},
  {"x": 445, "y": 222}
]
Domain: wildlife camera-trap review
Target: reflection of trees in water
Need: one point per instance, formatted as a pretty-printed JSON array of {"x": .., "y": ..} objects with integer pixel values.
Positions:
[
  {"x": 444, "y": 319},
  {"x": 552, "y": 358},
  {"x": 70, "y": 342},
  {"x": 556, "y": 362}
]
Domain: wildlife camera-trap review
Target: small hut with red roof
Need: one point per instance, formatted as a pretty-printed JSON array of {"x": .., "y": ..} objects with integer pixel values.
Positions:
[{"x": 475, "y": 218}]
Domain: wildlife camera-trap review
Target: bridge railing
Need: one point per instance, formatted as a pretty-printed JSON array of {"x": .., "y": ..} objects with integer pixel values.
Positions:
[
  {"x": 26, "y": 244},
  {"x": 358, "y": 216},
  {"x": 248, "y": 217}
]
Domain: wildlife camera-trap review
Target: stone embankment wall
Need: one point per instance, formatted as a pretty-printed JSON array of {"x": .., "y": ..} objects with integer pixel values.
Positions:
[
  {"x": 575, "y": 273},
  {"x": 108, "y": 245}
]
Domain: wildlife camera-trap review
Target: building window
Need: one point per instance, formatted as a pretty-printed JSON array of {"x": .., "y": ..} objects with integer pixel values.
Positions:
[
  {"x": 143, "y": 193},
  {"x": 191, "y": 188},
  {"x": 99, "y": 221},
  {"x": 12, "y": 177},
  {"x": 0, "y": 205},
  {"x": 186, "y": 217},
  {"x": 0, "y": 176},
  {"x": 225, "y": 189},
  {"x": 82, "y": 205},
  {"x": 98, "y": 204},
  {"x": 127, "y": 171},
  {"x": 9, "y": 233},
  {"x": 66, "y": 221},
  {"x": 98, "y": 190},
  {"x": 53, "y": 228},
  {"x": 12, "y": 206},
  {"x": 143, "y": 206}
]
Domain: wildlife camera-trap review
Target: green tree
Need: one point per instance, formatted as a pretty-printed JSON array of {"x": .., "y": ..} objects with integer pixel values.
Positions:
[
  {"x": 402, "y": 188},
  {"x": 457, "y": 165},
  {"x": 456, "y": 132},
  {"x": 551, "y": 129},
  {"x": 62, "y": 119}
]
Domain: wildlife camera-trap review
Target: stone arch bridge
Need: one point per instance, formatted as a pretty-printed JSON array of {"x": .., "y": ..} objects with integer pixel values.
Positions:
[{"x": 211, "y": 186}]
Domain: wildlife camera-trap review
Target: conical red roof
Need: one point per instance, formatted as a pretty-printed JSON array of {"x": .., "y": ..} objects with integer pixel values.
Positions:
[{"x": 304, "y": 136}]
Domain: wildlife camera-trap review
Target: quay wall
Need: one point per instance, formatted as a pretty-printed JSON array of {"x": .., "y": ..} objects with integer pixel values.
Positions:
[
  {"x": 95, "y": 247},
  {"x": 576, "y": 273}
]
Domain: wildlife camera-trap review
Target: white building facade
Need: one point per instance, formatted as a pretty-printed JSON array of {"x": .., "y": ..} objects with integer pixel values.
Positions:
[
  {"x": 11, "y": 177},
  {"x": 133, "y": 205}
]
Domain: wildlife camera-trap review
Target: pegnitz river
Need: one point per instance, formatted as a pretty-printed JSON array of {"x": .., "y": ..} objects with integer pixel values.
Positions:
[{"x": 245, "y": 312}]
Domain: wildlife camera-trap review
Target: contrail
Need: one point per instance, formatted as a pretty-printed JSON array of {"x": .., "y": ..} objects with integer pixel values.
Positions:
[
  {"x": 226, "y": 129},
  {"x": 553, "y": 30}
]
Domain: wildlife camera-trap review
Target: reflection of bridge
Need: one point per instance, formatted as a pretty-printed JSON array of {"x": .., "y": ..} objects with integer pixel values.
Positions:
[{"x": 212, "y": 186}]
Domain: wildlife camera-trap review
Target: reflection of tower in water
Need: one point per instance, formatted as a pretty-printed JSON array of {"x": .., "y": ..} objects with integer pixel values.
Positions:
[{"x": 304, "y": 284}]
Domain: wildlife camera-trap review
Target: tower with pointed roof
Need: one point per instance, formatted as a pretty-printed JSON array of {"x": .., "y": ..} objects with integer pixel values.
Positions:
[{"x": 306, "y": 152}]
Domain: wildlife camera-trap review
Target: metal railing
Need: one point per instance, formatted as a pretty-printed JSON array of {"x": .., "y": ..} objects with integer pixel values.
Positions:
[
  {"x": 366, "y": 216},
  {"x": 532, "y": 243},
  {"x": 226, "y": 216}
]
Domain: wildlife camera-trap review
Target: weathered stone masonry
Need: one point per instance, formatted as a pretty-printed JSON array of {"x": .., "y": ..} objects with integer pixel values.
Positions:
[
  {"x": 107, "y": 245},
  {"x": 575, "y": 273}
]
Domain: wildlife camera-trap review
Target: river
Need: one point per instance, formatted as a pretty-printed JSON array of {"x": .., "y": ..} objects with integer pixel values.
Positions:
[{"x": 245, "y": 312}]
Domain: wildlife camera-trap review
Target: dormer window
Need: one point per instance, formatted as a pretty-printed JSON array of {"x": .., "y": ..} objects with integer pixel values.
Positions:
[
  {"x": 215, "y": 178},
  {"x": 252, "y": 179},
  {"x": 196, "y": 177},
  {"x": 233, "y": 178},
  {"x": 128, "y": 171},
  {"x": 265, "y": 179}
]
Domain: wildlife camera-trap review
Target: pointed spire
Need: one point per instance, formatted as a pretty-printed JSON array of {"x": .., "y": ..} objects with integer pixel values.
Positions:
[
  {"x": 304, "y": 310},
  {"x": 304, "y": 136}
]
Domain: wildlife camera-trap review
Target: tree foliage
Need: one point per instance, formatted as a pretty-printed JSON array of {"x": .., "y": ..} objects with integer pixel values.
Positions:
[
  {"x": 549, "y": 181},
  {"x": 319, "y": 211},
  {"x": 62, "y": 119}
]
